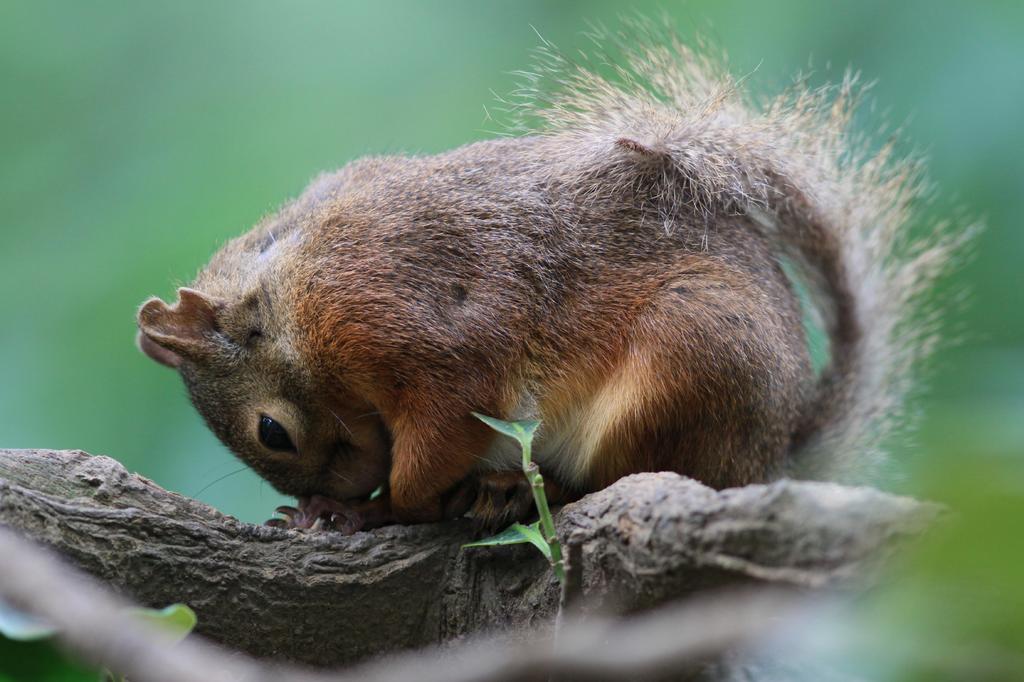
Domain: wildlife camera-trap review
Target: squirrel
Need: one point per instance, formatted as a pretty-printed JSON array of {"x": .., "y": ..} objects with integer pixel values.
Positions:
[{"x": 634, "y": 272}]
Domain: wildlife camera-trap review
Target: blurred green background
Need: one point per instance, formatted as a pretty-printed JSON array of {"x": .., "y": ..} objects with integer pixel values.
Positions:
[{"x": 137, "y": 137}]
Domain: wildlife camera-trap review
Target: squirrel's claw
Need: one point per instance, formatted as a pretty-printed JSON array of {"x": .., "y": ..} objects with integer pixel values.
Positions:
[
  {"x": 288, "y": 518},
  {"x": 322, "y": 513},
  {"x": 347, "y": 523},
  {"x": 295, "y": 518}
]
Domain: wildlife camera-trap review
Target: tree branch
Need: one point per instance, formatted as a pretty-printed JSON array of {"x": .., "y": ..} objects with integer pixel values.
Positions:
[
  {"x": 327, "y": 599},
  {"x": 97, "y": 625}
]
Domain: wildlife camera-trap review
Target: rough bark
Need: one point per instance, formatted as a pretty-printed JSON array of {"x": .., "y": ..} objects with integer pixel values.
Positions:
[{"x": 326, "y": 599}]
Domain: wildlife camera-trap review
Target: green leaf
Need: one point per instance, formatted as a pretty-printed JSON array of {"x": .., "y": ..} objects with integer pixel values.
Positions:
[
  {"x": 522, "y": 430},
  {"x": 177, "y": 619},
  {"x": 22, "y": 627},
  {"x": 516, "y": 534},
  {"x": 509, "y": 536},
  {"x": 40, "y": 661},
  {"x": 535, "y": 537}
]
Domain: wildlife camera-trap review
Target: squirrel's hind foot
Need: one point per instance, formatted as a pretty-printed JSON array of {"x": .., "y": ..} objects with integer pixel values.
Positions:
[
  {"x": 497, "y": 499},
  {"x": 502, "y": 498}
]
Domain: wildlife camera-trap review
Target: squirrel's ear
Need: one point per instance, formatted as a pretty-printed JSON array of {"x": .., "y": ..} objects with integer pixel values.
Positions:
[{"x": 170, "y": 333}]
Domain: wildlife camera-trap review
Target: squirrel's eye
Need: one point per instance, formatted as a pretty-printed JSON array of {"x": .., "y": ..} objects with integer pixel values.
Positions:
[{"x": 273, "y": 435}]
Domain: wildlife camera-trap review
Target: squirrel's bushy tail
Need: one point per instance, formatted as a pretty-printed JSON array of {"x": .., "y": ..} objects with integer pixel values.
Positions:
[{"x": 842, "y": 212}]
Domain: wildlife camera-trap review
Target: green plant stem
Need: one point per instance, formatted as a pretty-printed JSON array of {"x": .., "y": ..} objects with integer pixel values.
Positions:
[{"x": 547, "y": 524}]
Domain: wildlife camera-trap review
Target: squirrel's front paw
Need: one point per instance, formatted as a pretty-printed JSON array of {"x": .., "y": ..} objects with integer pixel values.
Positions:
[{"x": 323, "y": 513}]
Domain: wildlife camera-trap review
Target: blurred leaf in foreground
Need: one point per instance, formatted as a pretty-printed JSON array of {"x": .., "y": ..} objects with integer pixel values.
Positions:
[
  {"x": 177, "y": 619},
  {"x": 951, "y": 608},
  {"x": 28, "y": 653}
]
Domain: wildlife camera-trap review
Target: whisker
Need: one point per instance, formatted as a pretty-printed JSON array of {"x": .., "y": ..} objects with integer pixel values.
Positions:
[
  {"x": 341, "y": 422},
  {"x": 368, "y": 414},
  {"x": 218, "y": 480},
  {"x": 347, "y": 480},
  {"x": 484, "y": 458}
]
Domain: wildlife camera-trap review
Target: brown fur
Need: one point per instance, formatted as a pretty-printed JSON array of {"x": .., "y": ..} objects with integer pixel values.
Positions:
[{"x": 617, "y": 274}]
